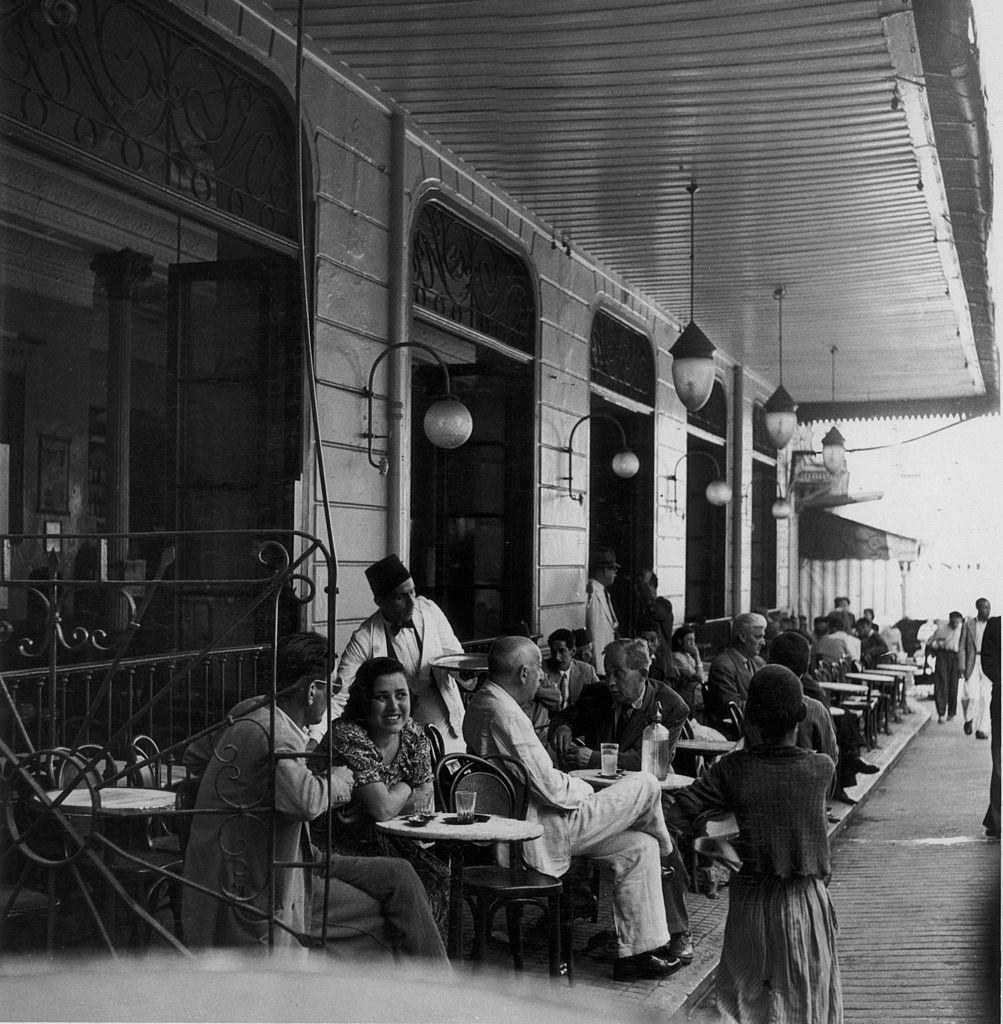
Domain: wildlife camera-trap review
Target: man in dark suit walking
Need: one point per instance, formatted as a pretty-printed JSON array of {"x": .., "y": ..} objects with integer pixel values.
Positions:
[{"x": 990, "y": 652}]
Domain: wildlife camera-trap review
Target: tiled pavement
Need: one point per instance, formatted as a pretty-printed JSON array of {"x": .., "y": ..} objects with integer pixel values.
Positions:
[{"x": 683, "y": 995}]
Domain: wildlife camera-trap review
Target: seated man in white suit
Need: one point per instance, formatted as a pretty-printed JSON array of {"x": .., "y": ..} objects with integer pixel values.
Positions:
[
  {"x": 622, "y": 826},
  {"x": 415, "y": 631}
]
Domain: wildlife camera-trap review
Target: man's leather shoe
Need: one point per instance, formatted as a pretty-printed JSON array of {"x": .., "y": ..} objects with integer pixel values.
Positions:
[
  {"x": 644, "y": 965},
  {"x": 865, "y": 768},
  {"x": 981, "y": 736},
  {"x": 843, "y": 798},
  {"x": 968, "y": 728},
  {"x": 680, "y": 947}
]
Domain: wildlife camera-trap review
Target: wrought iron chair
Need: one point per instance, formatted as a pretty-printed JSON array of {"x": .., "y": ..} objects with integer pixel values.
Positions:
[{"x": 502, "y": 788}]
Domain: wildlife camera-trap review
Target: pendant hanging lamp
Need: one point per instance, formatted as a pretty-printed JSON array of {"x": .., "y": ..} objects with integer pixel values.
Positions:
[
  {"x": 693, "y": 353},
  {"x": 781, "y": 412},
  {"x": 833, "y": 444}
]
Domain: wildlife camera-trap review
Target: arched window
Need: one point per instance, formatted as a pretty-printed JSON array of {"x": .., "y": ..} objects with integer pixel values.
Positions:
[
  {"x": 121, "y": 85},
  {"x": 621, "y": 359},
  {"x": 462, "y": 275}
]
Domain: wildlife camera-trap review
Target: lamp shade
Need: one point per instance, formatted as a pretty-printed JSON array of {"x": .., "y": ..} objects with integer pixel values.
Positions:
[
  {"x": 781, "y": 509},
  {"x": 448, "y": 423},
  {"x": 718, "y": 492},
  {"x": 781, "y": 417},
  {"x": 693, "y": 367},
  {"x": 626, "y": 464},
  {"x": 833, "y": 451}
]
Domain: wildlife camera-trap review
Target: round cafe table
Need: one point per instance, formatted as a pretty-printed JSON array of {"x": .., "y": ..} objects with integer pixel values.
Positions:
[
  {"x": 495, "y": 829},
  {"x": 117, "y": 801},
  {"x": 707, "y": 748},
  {"x": 595, "y": 778}
]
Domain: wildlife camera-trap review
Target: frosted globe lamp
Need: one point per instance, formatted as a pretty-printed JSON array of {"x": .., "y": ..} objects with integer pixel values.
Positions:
[
  {"x": 448, "y": 423},
  {"x": 718, "y": 492}
]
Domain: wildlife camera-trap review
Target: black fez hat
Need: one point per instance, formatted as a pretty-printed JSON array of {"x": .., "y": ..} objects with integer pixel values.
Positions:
[{"x": 386, "y": 575}]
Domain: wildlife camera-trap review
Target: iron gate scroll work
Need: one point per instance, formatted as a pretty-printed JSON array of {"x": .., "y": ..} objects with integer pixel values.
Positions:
[{"x": 74, "y": 707}]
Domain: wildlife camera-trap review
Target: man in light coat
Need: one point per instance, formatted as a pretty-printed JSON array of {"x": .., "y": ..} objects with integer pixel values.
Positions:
[
  {"x": 622, "y": 826},
  {"x": 975, "y": 685},
  {"x": 247, "y": 792},
  {"x": 600, "y": 618},
  {"x": 415, "y": 631}
]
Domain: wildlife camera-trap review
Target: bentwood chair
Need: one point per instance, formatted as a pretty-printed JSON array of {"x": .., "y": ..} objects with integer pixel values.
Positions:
[{"x": 502, "y": 788}]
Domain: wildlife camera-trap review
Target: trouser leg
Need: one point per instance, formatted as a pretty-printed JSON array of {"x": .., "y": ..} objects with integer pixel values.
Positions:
[
  {"x": 677, "y": 918},
  {"x": 638, "y": 906},
  {"x": 952, "y": 683},
  {"x": 596, "y": 831},
  {"x": 940, "y": 686},
  {"x": 980, "y": 690},
  {"x": 398, "y": 889}
]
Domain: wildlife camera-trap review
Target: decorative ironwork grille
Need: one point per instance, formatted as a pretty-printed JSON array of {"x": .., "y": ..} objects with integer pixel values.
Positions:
[
  {"x": 621, "y": 359},
  {"x": 117, "y": 82},
  {"x": 461, "y": 274}
]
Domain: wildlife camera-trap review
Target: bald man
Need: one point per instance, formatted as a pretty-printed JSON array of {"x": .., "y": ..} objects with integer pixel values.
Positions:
[{"x": 621, "y": 826}]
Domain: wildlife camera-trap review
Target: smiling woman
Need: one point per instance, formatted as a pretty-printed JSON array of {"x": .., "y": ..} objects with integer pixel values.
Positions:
[{"x": 390, "y": 758}]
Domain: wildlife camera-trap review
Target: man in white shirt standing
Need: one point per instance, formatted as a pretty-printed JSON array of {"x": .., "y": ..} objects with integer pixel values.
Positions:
[
  {"x": 600, "y": 618},
  {"x": 975, "y": 685},
  {"x": 945, "y": 643},
  {"x": 415, "y": 631}
]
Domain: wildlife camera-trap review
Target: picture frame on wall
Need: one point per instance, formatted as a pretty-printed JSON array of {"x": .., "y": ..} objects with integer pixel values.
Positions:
[{"x": 53, "y": 474}]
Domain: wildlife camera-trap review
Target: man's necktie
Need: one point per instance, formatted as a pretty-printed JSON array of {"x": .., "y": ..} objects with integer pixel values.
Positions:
[
  {"x": 404, "y": 625},
  {"x": 564, "y": 689}
]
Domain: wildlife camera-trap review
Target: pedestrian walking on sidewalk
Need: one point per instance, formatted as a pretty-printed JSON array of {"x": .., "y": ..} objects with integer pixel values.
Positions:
[
  {"x": 778, "y": 960},
  {"x": 945, "y": 643}
]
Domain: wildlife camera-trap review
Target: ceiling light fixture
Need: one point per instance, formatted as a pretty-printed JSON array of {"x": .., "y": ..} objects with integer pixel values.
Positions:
[
  {"x": 693, "y": 353},
  {"x": 834, "y": 444},
  {"x": 781, "y": 412}
]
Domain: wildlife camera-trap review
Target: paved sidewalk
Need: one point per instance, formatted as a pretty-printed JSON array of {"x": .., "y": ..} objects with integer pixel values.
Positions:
[
  {"x": 684, "y": 995},
  {"x": 916, "y": 886}
]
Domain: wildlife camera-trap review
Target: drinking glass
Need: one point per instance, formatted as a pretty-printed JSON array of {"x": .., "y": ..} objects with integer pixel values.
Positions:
[
  {"x": 424, "y": 806},
  {"x": 609, "y": 753},
  {"x": 465, "y": 803}
]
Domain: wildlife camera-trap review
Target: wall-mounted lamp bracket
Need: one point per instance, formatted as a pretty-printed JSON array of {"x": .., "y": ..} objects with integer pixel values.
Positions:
[
  {"x": 718, "y": 491},
  {"x": 625, "y": 462},
  {"x": 447, "y": 423}
]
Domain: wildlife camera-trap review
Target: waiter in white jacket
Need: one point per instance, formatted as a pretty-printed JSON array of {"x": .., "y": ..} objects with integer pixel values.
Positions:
[{"x": 415, "y": 631}]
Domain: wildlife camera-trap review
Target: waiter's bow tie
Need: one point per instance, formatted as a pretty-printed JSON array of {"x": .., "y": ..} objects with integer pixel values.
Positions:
[{"x": 404, "y": 625}]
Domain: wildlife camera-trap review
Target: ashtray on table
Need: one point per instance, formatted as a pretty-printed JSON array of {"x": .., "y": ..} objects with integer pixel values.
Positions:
[
  {"x": 419, "y": 820},
  {"x": 456, "y": 821}
]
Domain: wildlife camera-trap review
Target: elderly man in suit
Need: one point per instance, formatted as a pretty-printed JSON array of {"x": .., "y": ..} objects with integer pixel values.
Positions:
[
  {"x": 730, "y": 672},
  {"x": 975, "y": 684},
  {"x": 618, "y": 712},
  {"x": 600, "y": 618},
  {"x": 250, "y": 792},
  {"x": 415, "y": 631},
  {"x": 622, "y": 826}
]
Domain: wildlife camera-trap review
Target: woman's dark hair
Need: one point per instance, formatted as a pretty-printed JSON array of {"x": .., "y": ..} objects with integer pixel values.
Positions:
[
  {"x": 361, "y": 692},
  {"x": 680, "y": 635}
]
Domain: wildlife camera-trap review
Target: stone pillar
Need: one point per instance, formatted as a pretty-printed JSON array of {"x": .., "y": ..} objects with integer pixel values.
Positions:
[{"x": 119, "y": 273}]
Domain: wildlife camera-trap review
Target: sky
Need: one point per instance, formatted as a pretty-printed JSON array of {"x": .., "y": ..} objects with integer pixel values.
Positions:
[{"x": 945, "y": 490}]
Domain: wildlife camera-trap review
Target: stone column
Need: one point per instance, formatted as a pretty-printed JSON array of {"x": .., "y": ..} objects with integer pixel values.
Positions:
[{"x": 119, "y": 273}]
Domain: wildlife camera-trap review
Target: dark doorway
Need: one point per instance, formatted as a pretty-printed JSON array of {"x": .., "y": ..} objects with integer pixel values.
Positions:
[
  {"x": 472, "y": 506},
  {"x": 621, "y": 512},
  {"x": 706, "y": 527}
]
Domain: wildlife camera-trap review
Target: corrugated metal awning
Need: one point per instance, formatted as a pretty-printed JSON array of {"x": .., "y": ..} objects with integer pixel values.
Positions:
[{"x": 809, "y": 126}]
